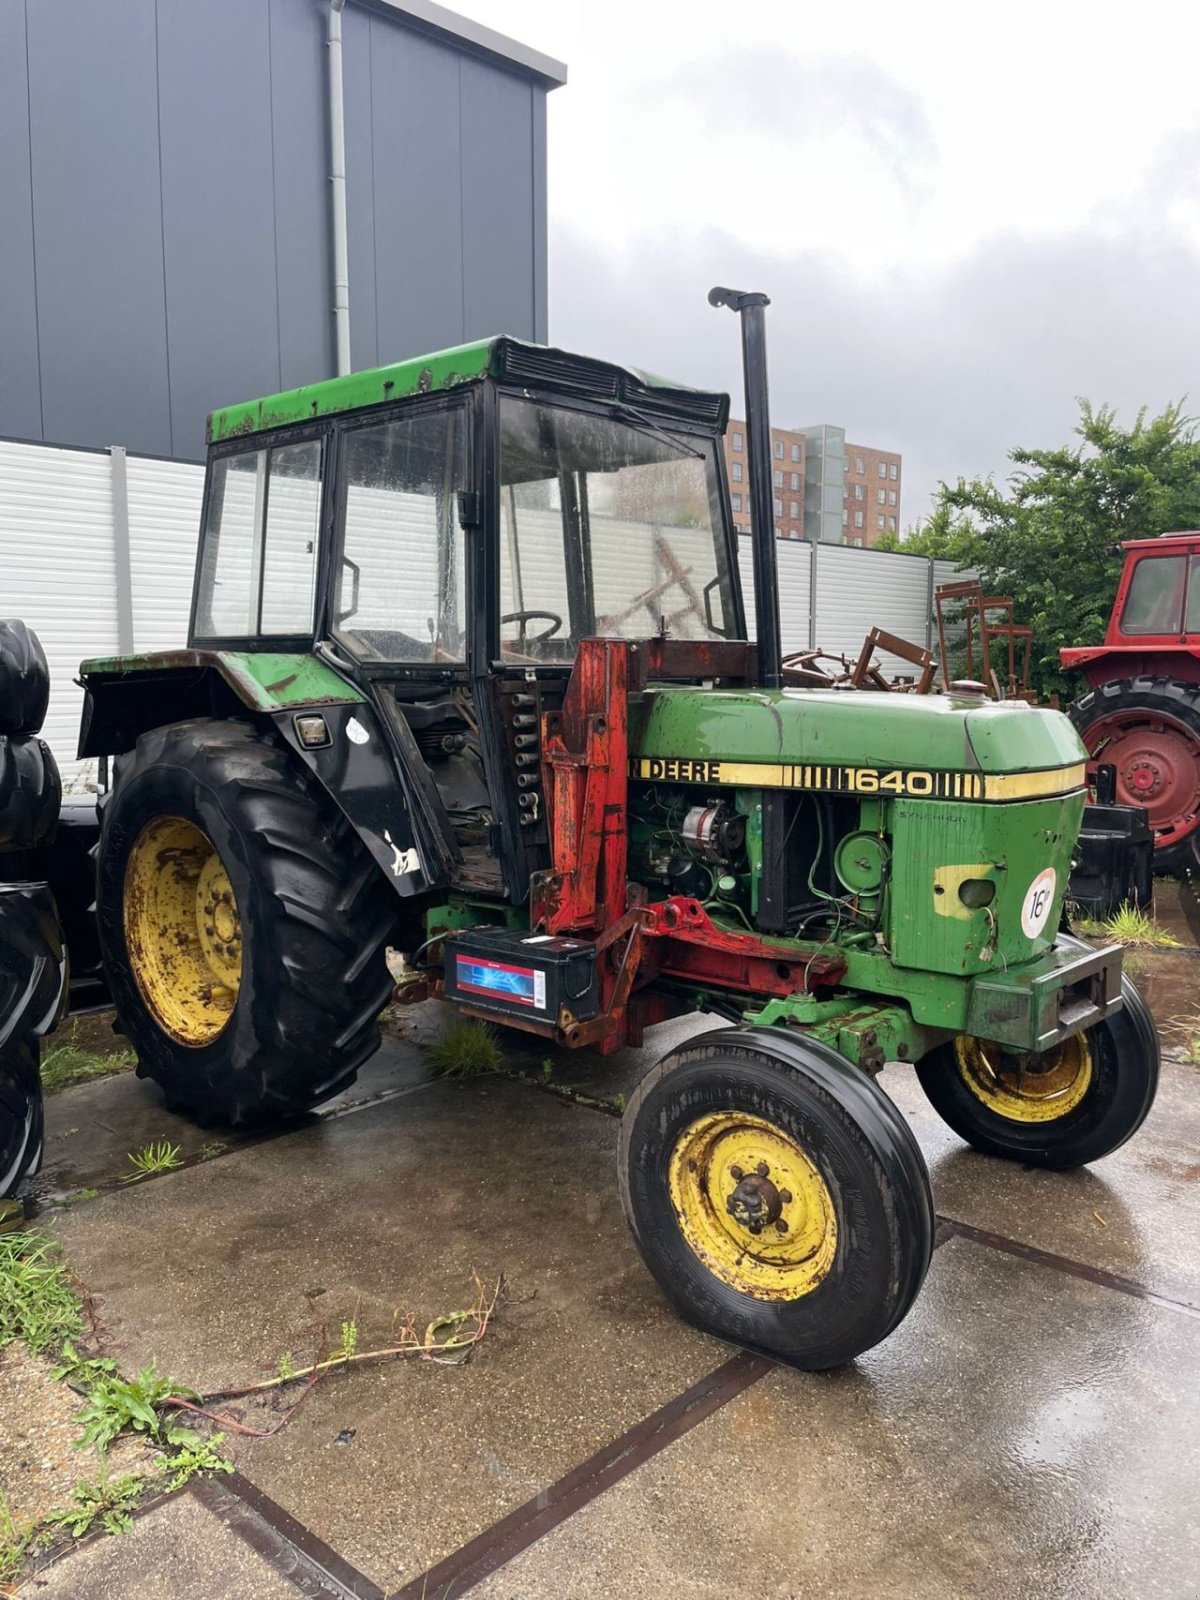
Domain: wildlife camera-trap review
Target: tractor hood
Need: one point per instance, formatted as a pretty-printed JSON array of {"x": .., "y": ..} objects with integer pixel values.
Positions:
[{"x": 942, "y": 746}]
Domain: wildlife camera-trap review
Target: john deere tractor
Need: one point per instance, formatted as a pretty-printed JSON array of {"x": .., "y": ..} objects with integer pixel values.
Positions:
[{"x": 469, "y": 673}]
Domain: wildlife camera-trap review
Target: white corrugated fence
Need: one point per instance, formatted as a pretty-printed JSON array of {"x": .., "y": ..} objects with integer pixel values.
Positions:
[{"x": 73, "y": 523}]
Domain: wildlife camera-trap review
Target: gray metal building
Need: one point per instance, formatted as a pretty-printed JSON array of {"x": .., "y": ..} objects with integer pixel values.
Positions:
[{"x": 166, "y": 202}]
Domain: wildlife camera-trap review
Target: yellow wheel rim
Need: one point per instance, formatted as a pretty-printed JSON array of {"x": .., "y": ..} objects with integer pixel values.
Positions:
[
  {"x": 1029, "y": 1088},
  {"x": 734, "y": 1179},
  {"x": 183, "y": 932}
]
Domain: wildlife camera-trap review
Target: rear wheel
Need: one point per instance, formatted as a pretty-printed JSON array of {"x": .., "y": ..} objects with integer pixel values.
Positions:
[
  {"x": 24, "y": 679},
  {"x": 1149, "y": 729},
  {"x": 20, "y": 1114},
  {"x": 1062, "y": 1108},
  {"x": 242, "y": 924},
  {"x": 776, "y": 1195}
]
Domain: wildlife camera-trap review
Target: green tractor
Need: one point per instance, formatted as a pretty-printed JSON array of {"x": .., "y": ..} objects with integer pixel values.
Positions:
[{"x": 469, "y": 675}]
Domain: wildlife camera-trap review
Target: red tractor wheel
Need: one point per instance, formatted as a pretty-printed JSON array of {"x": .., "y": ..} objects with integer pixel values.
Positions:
[{"x": 1149, "y": 730}]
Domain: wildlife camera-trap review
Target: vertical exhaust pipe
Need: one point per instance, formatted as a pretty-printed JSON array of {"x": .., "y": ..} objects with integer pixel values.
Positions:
[{"x": 750, "y": 307}]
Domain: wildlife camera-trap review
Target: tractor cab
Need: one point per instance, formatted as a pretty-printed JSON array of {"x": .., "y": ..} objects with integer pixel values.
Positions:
[
  {"x": 1141, "y": 714},
  {"x": 443, "y": 534}
]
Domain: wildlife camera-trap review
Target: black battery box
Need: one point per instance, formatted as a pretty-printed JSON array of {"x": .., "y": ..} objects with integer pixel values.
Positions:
[{"x": 516, "y": 973}]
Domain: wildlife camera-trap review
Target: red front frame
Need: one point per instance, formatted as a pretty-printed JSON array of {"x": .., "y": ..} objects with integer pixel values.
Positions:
[{"x": 585, "y": 765}]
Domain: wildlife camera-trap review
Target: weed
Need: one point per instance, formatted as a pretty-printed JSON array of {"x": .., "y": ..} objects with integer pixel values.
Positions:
[
  {"x": 82, "y": 1371},
  {"x": 1129, "y": 926},
  {"x": 465, "y": 1049},
  {"x": 286, "y": 1370},
  {"x": 38, "y": 1303},
  {"x": 78, "y": 1197},
  {"x": 110, "y": 1503},
  {"x": 159, "y": 1156},
  {"x": 214, "y": 1147},
  {"x": 15, "y": 1539},
  {"x": 349, "y": 1339},
  {"x": 619, "y": 1101},
  {"x": 114, "y": 1403},
  {"x": 194, "y": 1458},
  {"x": 70, "y": 1064},
  {"x": 547, "y": 1069}
]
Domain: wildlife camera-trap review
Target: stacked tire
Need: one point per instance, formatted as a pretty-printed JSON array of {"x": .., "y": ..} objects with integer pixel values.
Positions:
[{"x": 32, "y": 957}]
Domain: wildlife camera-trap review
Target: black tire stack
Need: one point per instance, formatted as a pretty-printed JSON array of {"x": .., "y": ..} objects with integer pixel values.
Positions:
[{"x": 32, "y": 957}]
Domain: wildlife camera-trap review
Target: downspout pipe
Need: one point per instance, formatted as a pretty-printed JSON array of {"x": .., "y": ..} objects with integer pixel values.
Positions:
[
  {"x": 751, "y": 308},
  {"x": 337, "y": 180}
]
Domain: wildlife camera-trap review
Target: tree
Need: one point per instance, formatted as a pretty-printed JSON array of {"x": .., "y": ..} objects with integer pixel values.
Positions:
[{"x": 1051, "y": 539}]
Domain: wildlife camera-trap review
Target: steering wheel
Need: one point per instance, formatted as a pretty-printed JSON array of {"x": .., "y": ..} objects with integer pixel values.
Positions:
[{"x": 523, "y": 617}]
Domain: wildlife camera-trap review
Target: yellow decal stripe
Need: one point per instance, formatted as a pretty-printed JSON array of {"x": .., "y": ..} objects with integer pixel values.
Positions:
[{"x": 895, "y": 782}]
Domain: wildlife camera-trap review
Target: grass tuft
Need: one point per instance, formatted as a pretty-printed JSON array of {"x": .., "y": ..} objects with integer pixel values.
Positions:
[
  {"x": 465, "y": 1049},
  {"x": 70, "y": 1064},
  {"x": 1129, "y": 926},
  {"x": 38, "y": 1302},
  {"x": 160, "y": 1156}
]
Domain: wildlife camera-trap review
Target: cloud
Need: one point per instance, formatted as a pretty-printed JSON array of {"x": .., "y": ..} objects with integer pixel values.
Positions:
[
  {"x": 952, "y": 368},
  {"x": 803, "y": 102}
]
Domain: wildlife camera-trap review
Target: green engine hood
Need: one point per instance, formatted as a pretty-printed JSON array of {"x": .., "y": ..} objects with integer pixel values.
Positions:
[{"x": 917, "y": 745}]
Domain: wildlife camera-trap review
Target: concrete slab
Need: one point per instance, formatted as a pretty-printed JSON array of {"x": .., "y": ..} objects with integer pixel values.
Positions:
[
  {"x": 216, "y": 1270},
  {"x": 1122, "y": 1214},
  {"x": 92, "y": 1128},
  {"x": 1022, "y": 1434},
  {"x": 177, "y": 1549}
]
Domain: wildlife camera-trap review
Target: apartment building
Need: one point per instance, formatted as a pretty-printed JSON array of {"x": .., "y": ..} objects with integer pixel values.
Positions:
[
  {"x": 787, "y": 479},
  {"x": 824, "y": 489},
  {"x": 871, "y": 506}
]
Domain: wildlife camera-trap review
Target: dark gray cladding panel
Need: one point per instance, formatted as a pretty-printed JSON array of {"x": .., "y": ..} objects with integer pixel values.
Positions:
[
  {"x": 94, "y": 161},
  {"x": 418, "y": 192},
  {"x": 498, "y": 202},
  {"x": 164, "y": 185},
  {"x": 300, "y": 153},
  {"x": 218, "y": 208},
  {"x": 20, "y": 380}
]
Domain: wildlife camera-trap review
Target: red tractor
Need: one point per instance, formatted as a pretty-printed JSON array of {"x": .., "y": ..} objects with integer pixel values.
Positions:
[{"x": 1142, "y": 711}]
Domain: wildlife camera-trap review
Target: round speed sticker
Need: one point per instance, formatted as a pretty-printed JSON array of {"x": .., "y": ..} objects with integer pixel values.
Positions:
[{"x": 1038, "y": 899}]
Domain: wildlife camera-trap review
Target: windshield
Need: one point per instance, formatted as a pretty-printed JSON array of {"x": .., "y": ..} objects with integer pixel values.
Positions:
[{"x": 606, "y": 527}]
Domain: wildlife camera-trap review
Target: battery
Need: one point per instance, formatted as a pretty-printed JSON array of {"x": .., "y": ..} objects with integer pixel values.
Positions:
[{"x": 520, "y": 974}]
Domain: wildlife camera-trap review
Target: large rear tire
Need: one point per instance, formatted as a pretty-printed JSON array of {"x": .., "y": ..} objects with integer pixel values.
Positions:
[
  {"x": 243, "y": 926},
  {"x": 742, "y": 1131},
  {"x": 30, "y": 792},
  {"x": 1149, "y": 729},
  {"x": 1064, "y": 1108},
  {"x": 24, "y": 679},
  {"x": 21, "y": 1116}
]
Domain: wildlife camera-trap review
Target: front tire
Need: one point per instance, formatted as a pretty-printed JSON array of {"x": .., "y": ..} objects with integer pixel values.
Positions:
[
  {"x": 1064, "y": 1108},
  {"x": 243, "y": 926},
  {"x": 742, "y": 1130}
]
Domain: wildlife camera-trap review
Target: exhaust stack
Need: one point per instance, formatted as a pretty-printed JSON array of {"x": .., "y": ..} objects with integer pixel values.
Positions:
[{"x": 750, "y": 307}]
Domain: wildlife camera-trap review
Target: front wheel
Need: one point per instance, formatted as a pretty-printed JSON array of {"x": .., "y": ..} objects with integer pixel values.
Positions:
[
  {"x": 776, "y": 1195},
  {"x": 1063, "y": 1108}
]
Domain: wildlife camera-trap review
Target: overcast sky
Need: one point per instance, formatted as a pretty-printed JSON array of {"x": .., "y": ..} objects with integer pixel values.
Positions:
[{"x": 964, "y": 215}]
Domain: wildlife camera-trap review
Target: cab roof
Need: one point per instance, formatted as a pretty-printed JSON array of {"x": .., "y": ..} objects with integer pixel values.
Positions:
[
  {"x": 1179, "y": 539},
  {"x": 497, "y": 357}
]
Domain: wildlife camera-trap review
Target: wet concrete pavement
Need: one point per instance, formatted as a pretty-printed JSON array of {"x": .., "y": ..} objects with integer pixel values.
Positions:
[{"x": 1030, "y": 1429}]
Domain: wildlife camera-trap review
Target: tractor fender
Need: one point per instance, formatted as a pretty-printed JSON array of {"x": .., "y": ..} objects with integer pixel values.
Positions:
[
  {"x": 1105, "y": 663},
  {"x": 378, "y": 789},
  {"x": 369, "y": 772}
]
